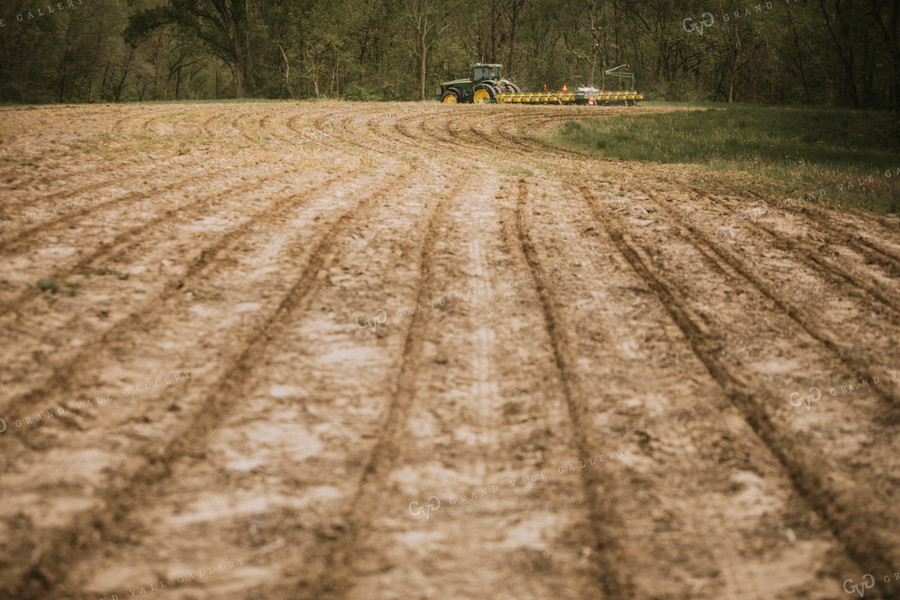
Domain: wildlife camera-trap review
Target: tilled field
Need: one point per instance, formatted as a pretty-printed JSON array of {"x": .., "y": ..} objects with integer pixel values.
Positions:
[{"x": 298, "y": 351}]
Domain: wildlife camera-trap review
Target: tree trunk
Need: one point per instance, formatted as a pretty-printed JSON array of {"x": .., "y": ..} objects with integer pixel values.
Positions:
[
  {"x": 156, "y": 62},
  {"x": 248, "y": 60},
  {"x": 422, "y": 63},
  {"x": 799, "y": 56},
  {"x": 616, "y": 25},
  {"x": 125, "y": 70},
  {"x": 287, "y": 72},
  {"x": 734, "y": 65},
  {"x": 513, "y": 24},
  {"x": 846, "y": 61},
  {"x": 238, "y": 80},
  {"x": 238, "y": 67},
  {"x": 735, "y": 45},
  {"x": 335, "y": 78}
]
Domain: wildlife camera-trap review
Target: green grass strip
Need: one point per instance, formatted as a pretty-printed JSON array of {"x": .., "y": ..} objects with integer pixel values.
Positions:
[{"x": 841, "y": 158}]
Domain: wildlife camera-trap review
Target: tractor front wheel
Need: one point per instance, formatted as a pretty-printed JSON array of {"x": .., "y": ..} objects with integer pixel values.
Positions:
[{"x": 450, "y": 97}]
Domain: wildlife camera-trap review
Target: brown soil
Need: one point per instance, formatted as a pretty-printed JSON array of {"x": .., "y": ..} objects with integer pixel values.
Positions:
[{"x": 357, "y": 351}]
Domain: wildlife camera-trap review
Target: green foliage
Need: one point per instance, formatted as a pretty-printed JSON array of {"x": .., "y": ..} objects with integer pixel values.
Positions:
[
  {"x": 797, "y": 52},
  {"x": 50, "y": 285},
  {"x": 360, "y": 93},
  {"x": 852, "y": 155}
]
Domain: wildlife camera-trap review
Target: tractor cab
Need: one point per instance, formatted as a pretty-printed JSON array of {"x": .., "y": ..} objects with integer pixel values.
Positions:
[{"x": 487, "y": 72}]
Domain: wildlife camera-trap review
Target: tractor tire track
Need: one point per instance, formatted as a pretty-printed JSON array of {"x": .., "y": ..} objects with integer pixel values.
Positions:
[
  {"x": 118, "y": 127},
  {"x": 342, "y": 552},
  {"x": 867, "y": 548},
  {"x": 62, "y": 374},
  {"x": 18, "y": 241},
  {"x": 45, "y": 574},
  {"x": 130, "y": 238},
  {"x": 799, "y": 315},
  {"x": 819, "y": 220},
  {"x": 614, "y": 583},
  {"x": 810, "y": 255}
]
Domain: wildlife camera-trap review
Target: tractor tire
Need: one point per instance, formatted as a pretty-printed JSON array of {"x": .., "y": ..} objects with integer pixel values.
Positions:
[
  {"x": 483, "y": 92},
  {"x": 451, "y": 96},
  {"x": 513, "y": 88}
]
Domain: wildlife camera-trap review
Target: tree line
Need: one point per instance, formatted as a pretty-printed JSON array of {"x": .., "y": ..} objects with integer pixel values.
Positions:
[{"x": 778, "y": 51}]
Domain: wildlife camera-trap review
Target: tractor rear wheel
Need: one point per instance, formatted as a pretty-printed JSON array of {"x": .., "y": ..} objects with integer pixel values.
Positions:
[
  {"x": 483, "y": 93},
  {"x": 450, "y": 97},
  {"x": 513, "y": 88}
]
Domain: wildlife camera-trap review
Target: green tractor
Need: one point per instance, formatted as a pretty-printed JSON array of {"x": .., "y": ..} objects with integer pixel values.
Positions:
[{"x": 485, "y": 85}]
